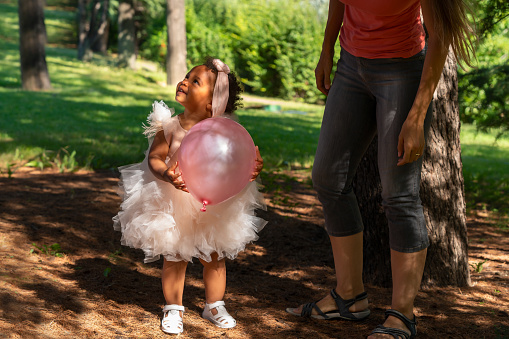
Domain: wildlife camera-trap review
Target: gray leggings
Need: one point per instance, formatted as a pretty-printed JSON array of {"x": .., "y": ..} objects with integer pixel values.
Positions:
[{"x": 370, "y": 96}]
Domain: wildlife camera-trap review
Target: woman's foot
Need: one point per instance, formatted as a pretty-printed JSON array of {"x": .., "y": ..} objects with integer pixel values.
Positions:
[
  {"x": 356, "y": 306},
  {"x": 394, "y": 323}
]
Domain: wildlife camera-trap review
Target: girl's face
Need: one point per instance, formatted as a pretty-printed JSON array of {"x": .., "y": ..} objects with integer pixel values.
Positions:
[{"x": 195, "y": 91}]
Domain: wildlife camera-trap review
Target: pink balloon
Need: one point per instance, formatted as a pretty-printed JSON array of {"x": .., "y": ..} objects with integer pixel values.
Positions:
[{"x": 216, "y": 159}]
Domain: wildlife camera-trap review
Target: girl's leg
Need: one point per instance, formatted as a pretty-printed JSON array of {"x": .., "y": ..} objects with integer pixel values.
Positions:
[
  {"x": 173, "y": 276},
  {"x": 214, "y": 278}
]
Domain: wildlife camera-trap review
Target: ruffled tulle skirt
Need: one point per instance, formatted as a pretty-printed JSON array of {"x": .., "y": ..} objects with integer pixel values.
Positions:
[{"x": 164, "y": 221}]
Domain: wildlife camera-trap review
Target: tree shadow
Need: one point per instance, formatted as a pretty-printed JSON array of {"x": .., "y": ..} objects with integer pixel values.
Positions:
[{"x": 290, "y": 264}]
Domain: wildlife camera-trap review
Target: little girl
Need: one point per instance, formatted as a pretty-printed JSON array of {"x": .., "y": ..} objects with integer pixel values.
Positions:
[{"x": 159, "y": 216}]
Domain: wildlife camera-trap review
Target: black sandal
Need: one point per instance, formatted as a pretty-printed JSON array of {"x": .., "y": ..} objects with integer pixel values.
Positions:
[
  {"x": 341, "y": 313},
  {"x": 396, "y": 332}
]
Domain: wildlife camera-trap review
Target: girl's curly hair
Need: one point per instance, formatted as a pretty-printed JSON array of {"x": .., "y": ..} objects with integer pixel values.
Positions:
[{"x": 234, "y": 90}]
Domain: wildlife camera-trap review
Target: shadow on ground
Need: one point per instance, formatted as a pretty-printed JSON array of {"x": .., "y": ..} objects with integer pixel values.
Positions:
[{"x": 97, "y": 288}]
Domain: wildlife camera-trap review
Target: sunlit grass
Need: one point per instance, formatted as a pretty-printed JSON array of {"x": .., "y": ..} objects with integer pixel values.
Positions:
[
  {"x": 485, "y": 169},
  {"x": 98, "y": 109}
]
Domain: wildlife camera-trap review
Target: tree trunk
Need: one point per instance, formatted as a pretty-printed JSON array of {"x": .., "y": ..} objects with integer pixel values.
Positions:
[
  {"x": 99, "y": 36},
  {"x": 32, "y": 39},
  {"x": 84, "y": 51},
  {"x": 442, "y": 188},
  {"x": 442, "y": 196},
  {"x": 176, "y": 56},
  {"x": 93, "y": 28},
  {"x": 126, "y": 35},
  {"x": 83, "y": 27}
]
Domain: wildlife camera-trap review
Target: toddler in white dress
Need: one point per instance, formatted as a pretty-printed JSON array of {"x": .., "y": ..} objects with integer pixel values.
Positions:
[{"x": 159, "y": 216}]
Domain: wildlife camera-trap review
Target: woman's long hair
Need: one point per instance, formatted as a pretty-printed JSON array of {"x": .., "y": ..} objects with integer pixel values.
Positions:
[{"x": 453, "y": 26}]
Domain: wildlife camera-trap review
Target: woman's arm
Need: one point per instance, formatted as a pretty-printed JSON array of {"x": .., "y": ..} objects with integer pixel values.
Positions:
[
  {"x": 411, "y": 138},
  {"x": 324, "y": 68},
  {"x": 156, "y": 162}
]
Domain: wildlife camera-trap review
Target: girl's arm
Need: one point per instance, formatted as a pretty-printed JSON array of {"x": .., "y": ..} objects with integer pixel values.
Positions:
[
  {"x": 411, "y": 138},
  {"x": 157, "y": 156},
  {"x": 324, "y": 68}
]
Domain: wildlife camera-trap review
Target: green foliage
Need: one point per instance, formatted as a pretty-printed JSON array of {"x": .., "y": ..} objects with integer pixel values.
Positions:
[
  {"x": 485, "y": 97},
  {"x": 478, "y": 266},
  {"x": 97, "y": 110},
  {"x": 94, "y": 109},
  {"x": 484, "y": 91},
  {"x": 272, "y": 49},
  {"x": 42, "y": 161},
  {"x": 490, "y": 14},
  {"x": 63, "y": 160},
  {"x": 54, "y": 250}
]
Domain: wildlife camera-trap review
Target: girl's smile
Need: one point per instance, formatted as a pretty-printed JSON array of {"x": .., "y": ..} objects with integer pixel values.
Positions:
[{"x": 179, "y": 90}]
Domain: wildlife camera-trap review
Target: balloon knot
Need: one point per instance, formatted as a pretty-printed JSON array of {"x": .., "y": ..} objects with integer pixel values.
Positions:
[{"x": 204, "y": 208}]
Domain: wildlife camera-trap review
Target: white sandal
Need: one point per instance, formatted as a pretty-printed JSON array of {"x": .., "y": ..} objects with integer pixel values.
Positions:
[
  {"x": 222, "y": 319},
  {"x": 172, "y": 320}
]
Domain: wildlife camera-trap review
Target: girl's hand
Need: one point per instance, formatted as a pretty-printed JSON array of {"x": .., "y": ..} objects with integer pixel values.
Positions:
[
  {"x": 258, "y": 165},
  {"x": 411, "y": 142},
  {"x": 173, "y": 178}
]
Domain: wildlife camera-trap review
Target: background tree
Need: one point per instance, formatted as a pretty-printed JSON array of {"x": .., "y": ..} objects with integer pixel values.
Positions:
[
  {"x": 492, "y": 13},
  {"x": 101, "y": 28},
  {"x": 126, "y": 34},
  {"x": 441, "y": 193},
  {"x": 93, "y": 27},
  {"x": 176, "y": 67},
  {"x": 32, "y": 39},
  {"x": 484, "y": 90}
]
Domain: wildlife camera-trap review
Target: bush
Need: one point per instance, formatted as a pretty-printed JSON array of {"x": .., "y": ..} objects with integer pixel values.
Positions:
[
  {"x": 272, "y": 49},
  {"x": 484, "y": 91}
]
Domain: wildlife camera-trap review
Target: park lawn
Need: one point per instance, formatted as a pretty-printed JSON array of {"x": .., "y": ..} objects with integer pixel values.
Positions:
[
  {"x": 97, "y": 110},
  {"x": 486, "y": 169}
]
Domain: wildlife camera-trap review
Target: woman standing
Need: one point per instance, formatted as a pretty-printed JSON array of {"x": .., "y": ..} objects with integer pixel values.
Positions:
[{"x": 384, "y": 83}]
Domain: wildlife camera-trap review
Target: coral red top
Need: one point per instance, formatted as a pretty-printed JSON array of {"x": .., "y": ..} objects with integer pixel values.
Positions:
[{"x": 382, "y": 29}]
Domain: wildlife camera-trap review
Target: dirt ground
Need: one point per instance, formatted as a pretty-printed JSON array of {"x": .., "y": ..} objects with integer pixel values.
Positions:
[{"x": 92, "y": 287}]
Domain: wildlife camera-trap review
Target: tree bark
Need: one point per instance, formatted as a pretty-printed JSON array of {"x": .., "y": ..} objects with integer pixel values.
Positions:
[
  {"x": 93, "y": 28},
  {"x": 176, "y": 56},
  {"x": 84, "y": 27},
  {"x": 32, "y": 39},
  {"x": 126, "y": 35},
  {"x": 99, "y": 36},
  {"x": 442, "y": 188},
  {"x": 442, "y": 196}
]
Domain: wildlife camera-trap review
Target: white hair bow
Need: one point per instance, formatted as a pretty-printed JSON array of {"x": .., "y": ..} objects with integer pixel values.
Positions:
[{"x": 221, "y": 88}]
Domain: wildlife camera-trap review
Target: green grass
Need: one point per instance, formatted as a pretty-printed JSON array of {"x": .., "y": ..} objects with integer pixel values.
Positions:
[
  {"x": 287, "y": 138},
  {"x": 485, "y": 169},
  {"x": 97, "y": 110}
]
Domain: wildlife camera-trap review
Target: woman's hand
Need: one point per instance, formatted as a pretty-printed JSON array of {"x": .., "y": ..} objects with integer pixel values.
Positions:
[
  {"x": 324, "y": 67},
  {"x": 410, "y": 142},
  {"x": 323, "y": 71},
  {"x": 258, "y": 165},
  {"x": 172, "y": 177}
]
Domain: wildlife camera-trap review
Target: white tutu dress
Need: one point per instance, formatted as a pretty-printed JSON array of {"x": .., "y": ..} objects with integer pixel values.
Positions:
[{"x": 162, "y": 220}]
